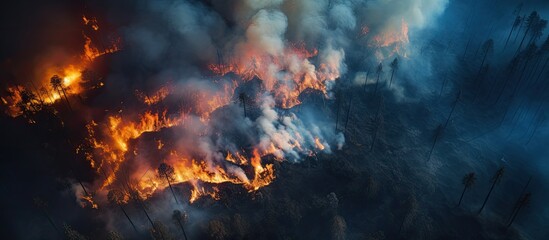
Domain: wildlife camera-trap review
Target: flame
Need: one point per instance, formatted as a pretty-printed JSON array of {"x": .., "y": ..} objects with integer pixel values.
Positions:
[
  {"x": 71, "y": 75},
  {"x": 318, "y": 144},
  {"x": 90, "y": 21},
  {"x": 299, "y": 73},
  {"x": 394, "y": 38},
  {"x": 156, "y": 97}
]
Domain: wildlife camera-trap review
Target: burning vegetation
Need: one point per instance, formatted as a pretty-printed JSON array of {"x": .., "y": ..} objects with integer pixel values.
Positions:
[{"x": 205, "y": 106}]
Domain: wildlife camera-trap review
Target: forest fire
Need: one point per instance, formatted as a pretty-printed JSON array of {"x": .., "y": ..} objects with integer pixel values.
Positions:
[
  {"x": 299, "y": 72},
  {"x": 57, "y": 82},
  {"x": 394, "y": 38},
  {"x": 254, "y": 119}
]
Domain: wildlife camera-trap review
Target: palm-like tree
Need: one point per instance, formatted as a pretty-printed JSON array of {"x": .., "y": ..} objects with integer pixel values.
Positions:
[
  {"x": 180, "y": 218},
  {"x": 394, "y": 68},
  {"x": 118, "y": 198},
  {"x": 167, "y": 172},
  {"x": 516, "y": 24},
  {"x": 531, "y": 23},
  {"x": 57, "y": 84},
  {"x": 495, "y": 180},
  {"x": 468, "y": 181},
  {"x": 524, "y": 201}
]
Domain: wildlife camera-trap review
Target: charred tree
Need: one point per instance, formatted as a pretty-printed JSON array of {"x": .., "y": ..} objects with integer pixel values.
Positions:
[
  {"x": 348, "y": 112},
  {"x": 57, "y": 84},
  {"x": 394, "y": 68},
  {"x": 495, "y": 180},
  {"x": 379, "y": 70},
  {"x": 243, "y": 99},
  {"x": 517, "y": 203},
  {"x": 531, "y": 22},
  {"x": 524, "y": 201},
  {"x": 438, "y": 133},
  {"x": 516, "y": 24},
  {"x": 454, "y": 104},
  {"x": 40, "y": 204},
  {"x": 468, "y": 181},
  {"x": 487, "y": 48}
]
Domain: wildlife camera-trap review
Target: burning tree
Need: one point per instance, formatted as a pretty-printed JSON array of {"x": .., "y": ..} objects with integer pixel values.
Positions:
[
  {"x": 57, "y": 84},
  {"x": 467, "y": 181},
  {"x": 167, "y": 172},
  {"x": 495, "y": 180}
]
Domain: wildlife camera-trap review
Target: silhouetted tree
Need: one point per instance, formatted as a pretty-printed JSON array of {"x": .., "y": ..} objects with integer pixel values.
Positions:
[
  {"x": 243, "y": 99},
  {"x": 454, "y": 104},
  {"x": 524, "y": 201},
  {"x": 379, "y": 70},
  {"x": 29, "y": 99},
  {"x": 42, "y": 205},
  {"x": 527, "y": 56},
  {"x": 348, "y": 112},
  {"x": 394, "y": 68},
  {"x": 180, "y": 218},
  {"x": 167, "y": 172},
  {"x": 438, "y": 133},
  {"x": 57, "y": 84},
  {"x": 119, "y": 198},
  {"x": 487, "y": 48},
  {"x": 467, "y": 181},
  {"x": 543, "y": 50},
  {"x": 338, "y": 99},
  {"x": 366, "y": 79},
  {"x": 516, "y": 24},
  {"x": 531, "y": 22},
  {"x": 517, "y": 203},
  {"x": 134, "y": 194},
  {"x": 495, "y": 180},
  {"x": 537, "y": 30},
  {"x": 511, "y": 68}
]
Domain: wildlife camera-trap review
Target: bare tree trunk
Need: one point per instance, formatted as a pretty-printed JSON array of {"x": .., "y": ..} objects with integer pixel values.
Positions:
[
  {"x": 170, "y": 184},
  {"x": 66, "y": 99},
  {"x": 462, "y": 193},
  {"x": 182, "y": 229},
  {"x": 508, "y": 37},
  {"x": 521, "y": 42},
  {"x": 128, "y": 217},
  {"x": 517, "y": 203},
  {"x": 488, "y": 196},
  {"x": 348, "y": 113}
]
